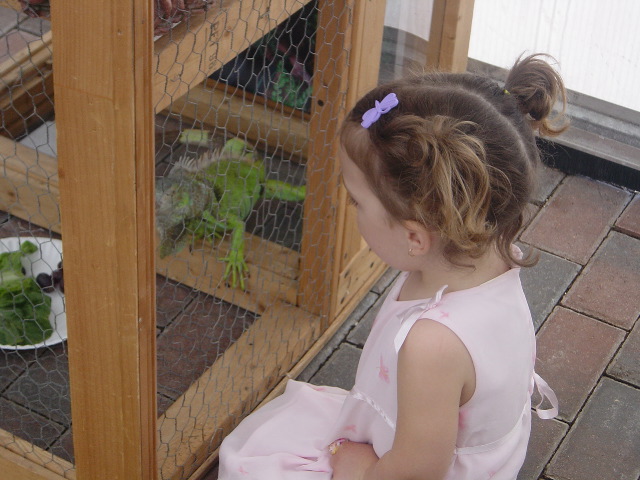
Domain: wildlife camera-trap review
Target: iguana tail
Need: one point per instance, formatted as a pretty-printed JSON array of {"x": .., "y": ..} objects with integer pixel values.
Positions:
[{"x": 284, "y": 191}]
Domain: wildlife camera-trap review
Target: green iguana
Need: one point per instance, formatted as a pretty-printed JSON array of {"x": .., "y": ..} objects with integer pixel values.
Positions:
[{"x": 212, "y": 195}]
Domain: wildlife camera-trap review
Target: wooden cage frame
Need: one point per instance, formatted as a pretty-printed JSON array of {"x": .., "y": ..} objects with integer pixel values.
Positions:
[{"x": 105, "y": 106}]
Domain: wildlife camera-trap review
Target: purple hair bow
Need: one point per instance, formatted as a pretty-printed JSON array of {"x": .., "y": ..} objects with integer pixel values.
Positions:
[{"x": 373, "y": 114}]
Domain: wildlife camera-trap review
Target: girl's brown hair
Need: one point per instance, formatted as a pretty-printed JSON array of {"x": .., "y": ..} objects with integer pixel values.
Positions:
[{"x": 458, "y": 153}]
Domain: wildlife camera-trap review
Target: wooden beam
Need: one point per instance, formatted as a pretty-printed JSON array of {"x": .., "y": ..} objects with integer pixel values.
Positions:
[
  {"x": 348, "y": 45},
  {"x": 26, "y": 89},
  {"x": 366, "y": 44},
  {"x": 29, "y": 185},
  {"x": 448, "y": 47},
  {"x": 273, "y": 272},
  {"x": 27, "y": 459},
  {"x": 17, "y": 467},
  {"x": 195, "y": 49},
  {"x": 330, "y": 83},
  {"x": 267, "y": 125},
  {"x": 193, "y": 427},
  {"x": 13, "y": 4},
  {"x": 105, "y": 138}
]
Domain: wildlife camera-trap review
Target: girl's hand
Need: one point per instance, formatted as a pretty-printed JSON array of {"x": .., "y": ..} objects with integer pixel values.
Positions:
[{"x": 352, "y": 460}]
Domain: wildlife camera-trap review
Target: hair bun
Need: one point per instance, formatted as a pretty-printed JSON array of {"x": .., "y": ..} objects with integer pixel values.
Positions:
[{"x": 537, "y": 86}]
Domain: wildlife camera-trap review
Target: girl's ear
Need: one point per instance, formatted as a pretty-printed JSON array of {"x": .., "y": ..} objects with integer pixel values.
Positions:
[{"x": 420, "y": 239}]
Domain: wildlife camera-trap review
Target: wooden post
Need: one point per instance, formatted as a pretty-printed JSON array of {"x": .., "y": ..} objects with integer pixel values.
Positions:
[
  {"x": 104, "y": 117},
  {"x": 448, "y": 47},
  {"x": 348, "y": 45}
]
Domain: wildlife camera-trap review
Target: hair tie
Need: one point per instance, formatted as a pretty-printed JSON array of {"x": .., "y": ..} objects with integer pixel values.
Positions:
[
  {"x": 506, "y": 92},
  {"x": 373, "y": 114}
]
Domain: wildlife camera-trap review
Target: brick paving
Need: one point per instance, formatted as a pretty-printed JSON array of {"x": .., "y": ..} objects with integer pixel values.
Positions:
[{"x": 583, "y": 295}]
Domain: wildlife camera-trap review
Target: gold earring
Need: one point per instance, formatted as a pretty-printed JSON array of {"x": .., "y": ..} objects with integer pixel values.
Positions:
[{"x": 411, "y": 252}]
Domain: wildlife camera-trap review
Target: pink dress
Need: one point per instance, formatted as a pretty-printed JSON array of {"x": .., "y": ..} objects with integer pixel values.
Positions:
[{"x": 287, "y": 439}]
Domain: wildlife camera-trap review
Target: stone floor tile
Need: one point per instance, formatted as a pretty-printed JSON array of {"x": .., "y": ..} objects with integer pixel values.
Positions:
[
  {"x": 12, "y": 364},
  {"x": 548, "y": 180},
  {"x": 63, "y": 446},
  {"x": 195, "y": 340},
  {"x": 360, "y": 332},
  {"x": 626, "y": 365},
  {"x": 28, "y": 425},
  {"x": 14, "y": 42},
  {"x": 546, "y": 435},
  {"x": 44, "y": 386},
  {"x": 545, "y": 283},
  {"x": 573, "y": 351},
  {"x": 576, "y": 218},
  {"x": 340, "y": 369},
  {"x": 629, "y": 221},
  {"x": 35, "y": 26},
  {"x": 608, "y": 286},
  {"x": 8, "y": 19},
  {"x": 171, "y": 299},
  {"x": 360, "y": 311},
  {"x": 385, "y": 281},
  {"x": 604, "y": 442},
  {"x": 530, "y": 212}
]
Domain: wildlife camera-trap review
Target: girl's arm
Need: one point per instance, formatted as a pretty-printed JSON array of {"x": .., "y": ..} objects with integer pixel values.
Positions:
[{"x": 435, "y": 374}]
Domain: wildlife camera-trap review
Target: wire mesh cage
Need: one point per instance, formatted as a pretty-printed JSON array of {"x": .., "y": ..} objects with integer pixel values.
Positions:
[{"x": 189, "y": 169}]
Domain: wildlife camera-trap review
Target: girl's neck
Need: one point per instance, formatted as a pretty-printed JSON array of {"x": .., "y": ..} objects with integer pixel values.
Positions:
[{"x": 434, "y": 273}]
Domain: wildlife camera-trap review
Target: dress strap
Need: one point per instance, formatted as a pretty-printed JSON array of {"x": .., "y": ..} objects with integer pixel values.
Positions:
[
  {"x": 545, "y": 391},
  {"x": 410, "y": 316}
]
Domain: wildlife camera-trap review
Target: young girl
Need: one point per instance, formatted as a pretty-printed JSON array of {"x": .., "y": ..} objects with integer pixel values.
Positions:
[{"x": 440, "y": 168}]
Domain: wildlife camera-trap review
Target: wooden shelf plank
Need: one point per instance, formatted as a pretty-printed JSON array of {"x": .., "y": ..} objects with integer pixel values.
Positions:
[
  {"x": 29, "y": 186},
  {"x": 267, "y": 125},
  {"x": 20, "y": 457},
  {"x": 195, "y": 49},
  {"x": 195, "y": 424},
  {"x": 273, "y": 272}
]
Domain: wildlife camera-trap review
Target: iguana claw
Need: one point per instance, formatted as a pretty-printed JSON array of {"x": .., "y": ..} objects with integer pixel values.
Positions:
[{"x": 236, "y": 270}]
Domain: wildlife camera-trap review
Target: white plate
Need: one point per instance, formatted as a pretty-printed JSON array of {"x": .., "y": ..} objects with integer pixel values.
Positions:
[{"x": 45, "y": 260}]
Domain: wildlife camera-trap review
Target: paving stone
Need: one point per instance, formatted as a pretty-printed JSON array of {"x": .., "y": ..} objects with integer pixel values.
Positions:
[
  {"x": 545, "y": 283},
  {"x": 363, "y": 307},
  {"x": 604, "y": 442},
  {"x": 63, "y": 446},
  {"x": 608, "y": 286},
  {"x": 360, "y": 332},
  {"x": 195, "y": 340},
  {"x": 548, "y": 180},
  {"x": 35, "y": 26},
  {"x": 28, "y": 425},
  {"x": 546, "y": 435},
  {"x": 12, "y": 364},
  {"x": 573, "y": 351},
  {"x": 385, "y": 281},
  {"x": 44, "y": 386},
  {"x": 530, "y": 212},
  {"x": 171, "y": 299},
  {"x": 626, "y": 365},
  {"x": 340, "y": 368},
  {"x": 8, "y": 19},
  {"x": 14, "y": 42},
  {"x": 576, "y": 218},
  {"x": 629, "y": 221}
]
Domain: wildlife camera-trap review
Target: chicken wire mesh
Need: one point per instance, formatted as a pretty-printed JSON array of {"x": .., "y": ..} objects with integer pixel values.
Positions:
[
  {"x": 35, "y": 416},
  {"x": 233, "y": 92}
]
